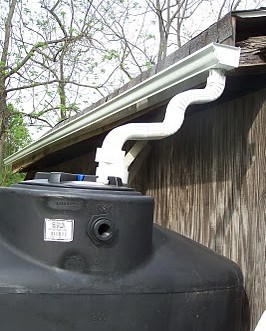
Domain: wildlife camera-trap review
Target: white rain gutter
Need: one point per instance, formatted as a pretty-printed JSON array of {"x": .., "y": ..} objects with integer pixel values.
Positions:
[
  {"x": 211, "y": 56},
  {"x": 250, "y": 13}
]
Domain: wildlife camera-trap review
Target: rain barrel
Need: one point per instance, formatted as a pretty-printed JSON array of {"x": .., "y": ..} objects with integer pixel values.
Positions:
[{"x": 81, "y": 256}]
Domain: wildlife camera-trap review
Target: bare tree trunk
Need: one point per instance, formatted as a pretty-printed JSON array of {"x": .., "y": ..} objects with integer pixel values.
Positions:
[
  {"x": 62, "y": 86},
  {"x": 62, "y": 95},
  {"x": 3, "y": 94},
  {"x": 3, "y": 115},
  {"x": 2, "y": 153},
  {"x": 162, "y": 33}
]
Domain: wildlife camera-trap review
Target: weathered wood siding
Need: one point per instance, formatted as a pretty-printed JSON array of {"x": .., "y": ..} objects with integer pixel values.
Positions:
[{"x": 209, "y": 183}]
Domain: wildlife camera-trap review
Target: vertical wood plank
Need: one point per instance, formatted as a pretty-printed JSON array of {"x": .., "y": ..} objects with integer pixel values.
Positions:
[{"x": 209, "y": 184}]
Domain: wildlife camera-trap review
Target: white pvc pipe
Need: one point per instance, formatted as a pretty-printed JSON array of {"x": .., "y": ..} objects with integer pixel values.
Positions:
[
  {"x": 111, "y": 156},
  {"x": 262, "y": 323}
]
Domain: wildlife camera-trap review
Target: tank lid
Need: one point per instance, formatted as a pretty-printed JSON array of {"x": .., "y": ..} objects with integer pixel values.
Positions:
[{"x": 82, "y": 181}]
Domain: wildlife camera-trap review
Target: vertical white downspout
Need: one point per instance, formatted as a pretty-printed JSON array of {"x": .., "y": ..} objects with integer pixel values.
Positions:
[
  {"x": 262, "y": 323},
  {"x": 111, "y": 157}
]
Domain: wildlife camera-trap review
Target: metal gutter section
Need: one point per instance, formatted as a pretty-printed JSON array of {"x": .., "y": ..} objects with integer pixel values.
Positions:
[
  {"x": 212, "y": 56},
  {"x": 250, "y": 13}
]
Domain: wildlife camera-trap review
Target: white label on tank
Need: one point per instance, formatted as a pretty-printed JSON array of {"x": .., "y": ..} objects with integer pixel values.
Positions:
[{"x": 58, "y": 230}]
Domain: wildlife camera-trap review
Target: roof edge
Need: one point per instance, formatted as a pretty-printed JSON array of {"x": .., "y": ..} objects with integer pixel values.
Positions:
[{"x": 209, "y": 57}]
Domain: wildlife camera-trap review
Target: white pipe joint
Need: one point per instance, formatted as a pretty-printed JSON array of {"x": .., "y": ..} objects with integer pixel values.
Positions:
[
  {"x": 111, "y": 163},
  {"x": 262, "y": 323},
  {"x": 110, "y": 156}
]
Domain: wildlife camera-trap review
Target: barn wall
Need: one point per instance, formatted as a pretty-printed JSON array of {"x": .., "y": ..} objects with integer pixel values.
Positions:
[{"x": 209, "y": 183}]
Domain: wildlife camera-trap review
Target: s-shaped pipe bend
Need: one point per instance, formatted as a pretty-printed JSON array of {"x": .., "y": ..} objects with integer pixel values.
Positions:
[{"x": 111, "y": 156}]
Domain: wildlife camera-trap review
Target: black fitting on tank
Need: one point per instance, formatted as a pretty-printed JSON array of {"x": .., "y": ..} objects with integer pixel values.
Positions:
[{"x": 102, "y": 230}]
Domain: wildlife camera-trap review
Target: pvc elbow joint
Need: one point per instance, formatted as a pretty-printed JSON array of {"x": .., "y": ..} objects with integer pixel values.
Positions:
[{"x": 111, "y": 163}]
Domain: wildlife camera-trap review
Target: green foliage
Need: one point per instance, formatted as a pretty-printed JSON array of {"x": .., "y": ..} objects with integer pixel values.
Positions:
[
  {"x": 2, "y": 68},
  {"x": 111, "y": 55},
  {"x": 73, "y": 106},
  {"x": 149, "y": 64},
  {"x": 16, "y": 137},
  {"x": 40, "y": 44},
  {"x": 17, "y": 134},
  {"x": 8, "y": 178}
]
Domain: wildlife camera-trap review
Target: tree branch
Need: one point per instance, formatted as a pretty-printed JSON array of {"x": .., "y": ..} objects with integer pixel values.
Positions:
[
  {"x": 8, "y": 31},
  {"x": 36, "y": 117},
  {"x": 36, "y": 47},
  {"x": 36, "y": 84},
  {"x": 59, "y": 22}
]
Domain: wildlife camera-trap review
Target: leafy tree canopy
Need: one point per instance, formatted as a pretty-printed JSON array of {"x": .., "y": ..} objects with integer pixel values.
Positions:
[{"x": 17, "y": 136}]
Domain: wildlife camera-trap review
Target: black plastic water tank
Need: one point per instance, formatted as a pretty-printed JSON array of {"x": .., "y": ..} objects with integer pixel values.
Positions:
[{"x": 77, "y": 255}]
